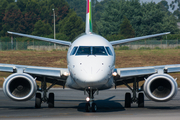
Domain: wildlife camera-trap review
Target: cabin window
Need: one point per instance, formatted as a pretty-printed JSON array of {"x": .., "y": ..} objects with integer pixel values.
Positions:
[
  {"x": 73, "y": 50},
  {"x": 109, "y": 51}
]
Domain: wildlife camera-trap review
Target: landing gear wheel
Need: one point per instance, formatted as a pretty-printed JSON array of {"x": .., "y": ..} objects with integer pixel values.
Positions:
[
  {"x": 51, "y": 100},
  {"x": 94, "y": 107},
  {"x": 141, "y": 100},
  {"x": 127, "y": 100},
  {"x": 38, "y": 100},
  {"x": 87, "y": 107}
]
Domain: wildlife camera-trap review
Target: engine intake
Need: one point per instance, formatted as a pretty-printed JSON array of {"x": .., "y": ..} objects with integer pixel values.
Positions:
[
  {"x": 20, "y": 86},
  {"x": 160, "y": 87}
]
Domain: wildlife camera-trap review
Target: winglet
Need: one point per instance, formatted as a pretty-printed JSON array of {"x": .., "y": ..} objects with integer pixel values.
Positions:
[{"x": 88, "y": 17}]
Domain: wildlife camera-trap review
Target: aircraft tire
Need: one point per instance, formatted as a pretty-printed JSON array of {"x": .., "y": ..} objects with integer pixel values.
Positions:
[
  {"x": 38, "y": 100},
  {"x": 127, "y": 100},
  {"x": 51, "y": 100},
  {"x": 141, "y": 100},
  {"x": 87, "y": 107},
  {"x": 94, "y": 107}
]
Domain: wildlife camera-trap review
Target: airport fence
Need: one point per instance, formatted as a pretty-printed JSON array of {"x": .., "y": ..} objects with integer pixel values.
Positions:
[
  {"x": 30, "y": 45},
  {"x": 41, "y": 45},
  {"x": 152, "y": 44}
]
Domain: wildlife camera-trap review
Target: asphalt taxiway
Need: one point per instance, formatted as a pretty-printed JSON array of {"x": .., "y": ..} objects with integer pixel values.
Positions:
[{"x": 69, "y": 104}]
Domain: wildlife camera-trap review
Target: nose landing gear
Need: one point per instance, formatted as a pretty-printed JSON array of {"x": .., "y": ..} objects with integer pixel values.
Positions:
[{"x": 90, "y": 105}]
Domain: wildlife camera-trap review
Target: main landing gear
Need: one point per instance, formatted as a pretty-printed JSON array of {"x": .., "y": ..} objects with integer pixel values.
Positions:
[
  {"x": 139, "y": 100},
  {"x": 39, "y": 99},
  {"x": 90, "y": 105}
]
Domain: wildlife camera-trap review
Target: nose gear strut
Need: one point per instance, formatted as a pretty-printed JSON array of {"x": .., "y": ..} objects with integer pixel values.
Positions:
[{"x": 90, "y": 105}]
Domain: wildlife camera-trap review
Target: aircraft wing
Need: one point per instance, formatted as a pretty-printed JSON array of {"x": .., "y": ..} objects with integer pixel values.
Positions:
[
  {"x": 127, "y": 75},
  {"x": 117, "y": 42},
  {"x": 61, "y": 42},
  {"x": 58, "y": 75}
]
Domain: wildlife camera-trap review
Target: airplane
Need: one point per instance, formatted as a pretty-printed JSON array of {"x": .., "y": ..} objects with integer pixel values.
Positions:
[{"x": 90, "y": 68}]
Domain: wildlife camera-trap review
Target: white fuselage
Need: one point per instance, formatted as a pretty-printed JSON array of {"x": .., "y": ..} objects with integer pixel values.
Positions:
[{"x": 91, "y": 61}]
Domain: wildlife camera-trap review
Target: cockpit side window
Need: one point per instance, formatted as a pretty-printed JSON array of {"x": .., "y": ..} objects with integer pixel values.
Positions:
[
  {"x": 99, "y": 50},
  {"x": 109, "y": 51},
  {"x": 84, "y": 50},
  {"x": 73, "y": 50}
]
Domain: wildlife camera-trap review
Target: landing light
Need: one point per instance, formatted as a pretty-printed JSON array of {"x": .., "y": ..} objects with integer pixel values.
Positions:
[
  {"x": 114, "y": 74},
  {"x": 65, "y": 73},
  {"x": 87, "y": 99}
]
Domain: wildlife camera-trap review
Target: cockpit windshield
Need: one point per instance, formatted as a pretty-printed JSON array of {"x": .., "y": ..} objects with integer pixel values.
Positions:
[
  {"x": 91, "y": 50},
  {"x": 99, "y": 50},
  {"x": 84, "y": 50}
]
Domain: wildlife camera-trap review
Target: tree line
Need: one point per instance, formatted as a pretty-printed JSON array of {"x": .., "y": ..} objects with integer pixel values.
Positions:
[
  {"x": 36, "y": 17},
  {"x": 113, "y": 19},
  {"x": 145, "y": 18}
]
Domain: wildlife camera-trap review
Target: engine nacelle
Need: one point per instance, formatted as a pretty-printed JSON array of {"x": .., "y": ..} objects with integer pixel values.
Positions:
[
  {"x": 20, "y": 86},
  {"x": 160, "y": 87}
]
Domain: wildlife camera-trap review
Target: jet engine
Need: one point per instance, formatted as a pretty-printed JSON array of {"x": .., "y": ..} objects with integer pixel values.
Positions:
[
  {"x": 20, "y": 86},
  {"x": 160, "y": 87}
]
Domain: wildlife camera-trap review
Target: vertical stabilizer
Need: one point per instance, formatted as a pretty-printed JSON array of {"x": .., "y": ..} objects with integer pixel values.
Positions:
[{"x": 88, "y": 17}]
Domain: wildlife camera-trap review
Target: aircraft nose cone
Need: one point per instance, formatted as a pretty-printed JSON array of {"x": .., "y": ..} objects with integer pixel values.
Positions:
[
  {"x": 92, "y": 70},
  {"x": 92, "y": 75}
]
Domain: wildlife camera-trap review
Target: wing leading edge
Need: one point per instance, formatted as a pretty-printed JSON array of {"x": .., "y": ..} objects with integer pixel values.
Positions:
[
  {"x": 142, "y": 72},
  {"x": 35, "y": 70},
  {"x": 137, "y": 38},
  {"x": 61, "y": 42}
]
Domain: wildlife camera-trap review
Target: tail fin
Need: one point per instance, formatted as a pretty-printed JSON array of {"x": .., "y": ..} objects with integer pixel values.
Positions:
[{"x": 88, "y": 17}]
